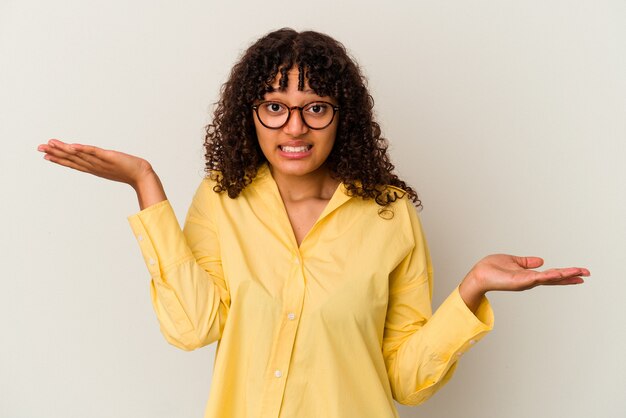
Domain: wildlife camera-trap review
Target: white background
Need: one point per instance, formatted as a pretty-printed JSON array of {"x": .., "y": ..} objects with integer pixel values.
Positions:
[{"x": 507, "y": 116}]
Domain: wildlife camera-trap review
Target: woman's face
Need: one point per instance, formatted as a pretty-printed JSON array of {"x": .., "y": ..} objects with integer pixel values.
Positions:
[{"x": 295, "y": 149}]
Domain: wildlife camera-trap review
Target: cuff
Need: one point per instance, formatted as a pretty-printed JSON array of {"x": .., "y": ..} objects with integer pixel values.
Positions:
[
  {"x": 458, "y": 327},
  {"x": 160, "y": 238},
  {"x": 469, "y": 328}
]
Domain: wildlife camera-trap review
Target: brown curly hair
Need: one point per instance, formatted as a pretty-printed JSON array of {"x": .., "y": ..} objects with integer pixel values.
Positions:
[{"x": 359, "y": 156}]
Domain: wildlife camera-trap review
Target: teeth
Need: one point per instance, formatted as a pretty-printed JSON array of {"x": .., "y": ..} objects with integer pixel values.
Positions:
[{"x": 295, "y": 149}]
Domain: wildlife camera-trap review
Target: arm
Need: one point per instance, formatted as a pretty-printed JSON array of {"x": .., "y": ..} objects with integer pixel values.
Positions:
[
  {"x": 421, "y": 349},
  {"x": 188, "y": 290},
  {"x": 189, "y": 296}
]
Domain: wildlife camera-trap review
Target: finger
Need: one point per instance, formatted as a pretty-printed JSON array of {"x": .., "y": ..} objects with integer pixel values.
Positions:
[
  {"x": 89, "y": 154},
  {"x": 94, "y": 155},
  {"x": 528, "y": 262},
  {"x": 54, "y": 151},
  {"x": 584, "y": 272},
  {"x": 55, "y": 148},
  {"x": 66, "y": 152},
  {"x": 565, "y": 281},
  {"x": 555, "y": 275},
  {"x": 48, "y": 146},
  {"x": 65, "y": 162},
  {"x": 573, "y": 271},
  {"x": 89, "y": 158},
  {"x": 69, "y": 149},
  {"x": 55, "y": 143},
  {"x": 87, "y": 149}
]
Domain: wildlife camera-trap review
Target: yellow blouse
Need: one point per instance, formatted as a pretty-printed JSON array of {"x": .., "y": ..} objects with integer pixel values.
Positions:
[{"x": 334, "y": 328}]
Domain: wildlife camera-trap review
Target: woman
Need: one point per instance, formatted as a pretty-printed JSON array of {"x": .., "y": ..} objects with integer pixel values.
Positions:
[{"x": 302, "y": 252}]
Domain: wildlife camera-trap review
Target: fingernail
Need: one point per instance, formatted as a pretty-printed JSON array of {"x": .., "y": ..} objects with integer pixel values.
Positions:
[{"x": 39, "y": 148}]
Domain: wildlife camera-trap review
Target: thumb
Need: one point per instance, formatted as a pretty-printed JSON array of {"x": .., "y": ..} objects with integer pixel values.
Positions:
[{"x": 529, "y": 262}]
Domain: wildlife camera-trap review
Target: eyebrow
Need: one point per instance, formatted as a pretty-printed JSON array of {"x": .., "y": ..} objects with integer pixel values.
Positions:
[{"x": 279, "y": 90}]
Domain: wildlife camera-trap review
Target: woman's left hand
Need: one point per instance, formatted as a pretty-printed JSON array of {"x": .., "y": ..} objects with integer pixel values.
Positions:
[{"x": 512, "y": 273}]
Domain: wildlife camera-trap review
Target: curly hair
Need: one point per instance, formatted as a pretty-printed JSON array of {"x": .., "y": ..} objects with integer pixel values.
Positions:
[{"x": 359, "y": 156}]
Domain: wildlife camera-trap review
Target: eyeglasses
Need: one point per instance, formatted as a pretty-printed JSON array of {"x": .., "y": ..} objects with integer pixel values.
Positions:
[{"x": 315, "y": 115}]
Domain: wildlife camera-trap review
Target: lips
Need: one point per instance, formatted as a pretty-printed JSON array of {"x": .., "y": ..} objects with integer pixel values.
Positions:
[{"x": 295, "y": 149}]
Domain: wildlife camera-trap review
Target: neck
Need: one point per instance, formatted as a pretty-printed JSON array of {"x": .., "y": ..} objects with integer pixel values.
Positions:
[{"x": 316, "y": 185}]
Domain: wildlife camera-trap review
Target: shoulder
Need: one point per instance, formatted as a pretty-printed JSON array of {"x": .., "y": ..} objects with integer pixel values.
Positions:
[
  {"x": 206, "y": 188},
  {"x": 402, "y": 213},
  {"x": 207, "y": 191},
  {"x": 395, "y": 200},
  {"x": 212, "y": 188},
  {"x": 393, "y": 193}
]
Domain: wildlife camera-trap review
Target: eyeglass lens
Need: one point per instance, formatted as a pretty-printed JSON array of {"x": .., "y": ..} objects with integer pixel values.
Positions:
[{"x": 316, "y": 115}]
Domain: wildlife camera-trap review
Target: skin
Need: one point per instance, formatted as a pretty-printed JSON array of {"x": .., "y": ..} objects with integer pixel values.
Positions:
[{"x": 306, "y": 186}]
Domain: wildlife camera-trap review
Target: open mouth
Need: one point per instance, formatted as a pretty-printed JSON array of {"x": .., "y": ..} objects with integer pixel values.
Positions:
[{"x": 302, "y": 148}]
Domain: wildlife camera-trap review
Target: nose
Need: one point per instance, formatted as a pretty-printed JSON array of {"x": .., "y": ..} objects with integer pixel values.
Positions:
[{"x": 295, "y": 126}]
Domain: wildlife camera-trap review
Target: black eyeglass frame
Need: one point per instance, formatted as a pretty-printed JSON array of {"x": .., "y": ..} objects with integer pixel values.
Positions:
[{"x": 335, "y": 108}]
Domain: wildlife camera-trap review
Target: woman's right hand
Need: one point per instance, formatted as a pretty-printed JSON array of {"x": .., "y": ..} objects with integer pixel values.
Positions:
[
  {"x": 108, "y": 164},
  {"x": 111, "y": 165}
]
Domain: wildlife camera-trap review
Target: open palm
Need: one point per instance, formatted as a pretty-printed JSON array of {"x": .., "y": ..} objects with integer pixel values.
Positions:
[
  {"x": 508, "y": 272},
  {"x": 108, "y": 164}
]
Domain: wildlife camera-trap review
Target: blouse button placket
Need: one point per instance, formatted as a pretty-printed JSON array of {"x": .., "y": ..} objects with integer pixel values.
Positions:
[{"x": 293, "y": 298}]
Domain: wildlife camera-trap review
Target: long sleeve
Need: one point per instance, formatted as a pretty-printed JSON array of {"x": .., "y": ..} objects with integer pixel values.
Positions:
[
  {"x": 188, "y": 290},
  {"x": 420, "y": 349}
]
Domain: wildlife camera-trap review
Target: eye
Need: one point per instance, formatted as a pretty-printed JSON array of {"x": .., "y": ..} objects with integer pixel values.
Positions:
[
  {"x": 274, "y": 107},
  {"x": 316, "y": 109}
]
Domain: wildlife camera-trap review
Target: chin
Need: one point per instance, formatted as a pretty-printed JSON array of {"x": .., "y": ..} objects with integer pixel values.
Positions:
[{"x": 296, "y": 168}]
